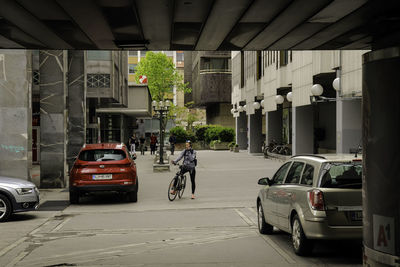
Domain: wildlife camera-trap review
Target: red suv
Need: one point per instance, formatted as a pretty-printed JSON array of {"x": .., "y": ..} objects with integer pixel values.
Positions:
[{"x": 103, "y": 167}]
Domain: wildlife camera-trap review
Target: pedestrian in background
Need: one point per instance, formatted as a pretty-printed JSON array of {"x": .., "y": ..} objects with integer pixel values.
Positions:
[
  {"x": 142, "y": 140},
  {"x": 132, "y": 143},
  {"x": 172, "y": 142},
  {"x": 153, "y": 143}
]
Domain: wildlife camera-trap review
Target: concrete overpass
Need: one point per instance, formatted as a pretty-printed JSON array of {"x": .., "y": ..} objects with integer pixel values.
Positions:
[
  {"x": 251, "y": 25},
  {"x": 199, "y": 24}
]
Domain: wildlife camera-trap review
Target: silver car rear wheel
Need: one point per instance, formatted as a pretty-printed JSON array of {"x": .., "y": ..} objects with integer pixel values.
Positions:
[
  {"x": 296, "y": 235},
  {"x": 5, "y": 208},
  {"x": 301, "y": 245}
]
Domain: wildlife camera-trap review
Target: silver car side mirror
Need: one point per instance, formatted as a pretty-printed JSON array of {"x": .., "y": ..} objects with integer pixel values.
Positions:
[{"x": 264, "y": 181}]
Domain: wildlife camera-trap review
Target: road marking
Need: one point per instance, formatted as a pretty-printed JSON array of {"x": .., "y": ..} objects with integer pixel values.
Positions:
[
  {"x": 245, "y": 218},
  {"x": 58, "y": 227},
  {"x": 13, "y": 245},
  {"x": 17, "y": 259},
  {"x": 278, "y": 249}
]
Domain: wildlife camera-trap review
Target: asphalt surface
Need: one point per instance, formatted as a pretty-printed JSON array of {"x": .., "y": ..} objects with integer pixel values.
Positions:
[{"x": 218, "y": 228}]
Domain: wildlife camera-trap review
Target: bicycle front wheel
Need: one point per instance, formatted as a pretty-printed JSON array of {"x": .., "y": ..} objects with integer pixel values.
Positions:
[
  {"x": 183, "y": 185},
  {"x": 171, "y": 189}
]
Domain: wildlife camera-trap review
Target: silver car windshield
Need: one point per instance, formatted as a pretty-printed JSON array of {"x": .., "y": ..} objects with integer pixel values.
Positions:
[{"x": 341, "y": 175}]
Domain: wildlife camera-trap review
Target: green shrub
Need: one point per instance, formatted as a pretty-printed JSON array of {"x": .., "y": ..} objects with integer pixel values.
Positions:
[
  {"x": 180, "y": 134},
  {"x": 191, "y": 136},
  {"x": 213, "y": 142},
  {"x": 201, "y": 132},
  {"x": 232, "y": 144},
  {"x": 227, "y": 135},
  {"x": 213, "y": 133}
]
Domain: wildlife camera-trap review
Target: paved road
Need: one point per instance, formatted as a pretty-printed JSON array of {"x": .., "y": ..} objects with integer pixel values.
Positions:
[{"x": 218, "y": 228}]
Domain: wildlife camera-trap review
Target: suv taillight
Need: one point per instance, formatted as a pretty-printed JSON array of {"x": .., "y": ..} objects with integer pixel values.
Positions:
[{"x": 316, "y": 199}]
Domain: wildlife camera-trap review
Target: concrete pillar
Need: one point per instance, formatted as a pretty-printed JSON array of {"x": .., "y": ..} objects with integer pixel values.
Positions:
[
  {"x": 76, "y": 104},
  {"x": 15, "y": 113},
  {"x": 53, "y": 118},
  {"x": 348, "y": 125},
  {"x": 241, "y": 130},
  {"x": 274, "y": 126},
  {"x": 381, "y": 157},
  {"x": 255, "y": 132},
  {"x": 302, "y": 130}
]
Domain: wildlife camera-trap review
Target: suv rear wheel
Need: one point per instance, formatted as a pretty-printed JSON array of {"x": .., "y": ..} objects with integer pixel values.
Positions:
[
  {"x": 74, "y": 197},
  {"x": 301, "y": 245},
  {"x": 132, "y": 196},
  {"x": 5, "y": 208}
]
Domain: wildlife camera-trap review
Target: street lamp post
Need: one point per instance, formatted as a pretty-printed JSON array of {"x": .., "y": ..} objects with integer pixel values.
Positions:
[{"x": 161, "y": 110}]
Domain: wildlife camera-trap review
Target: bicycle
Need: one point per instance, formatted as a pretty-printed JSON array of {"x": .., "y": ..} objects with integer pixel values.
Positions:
[{"x": 180, "y": 183}]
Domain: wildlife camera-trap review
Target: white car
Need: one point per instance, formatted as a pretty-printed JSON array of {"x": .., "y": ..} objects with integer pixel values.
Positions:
[{"x": 17, "y": 195}]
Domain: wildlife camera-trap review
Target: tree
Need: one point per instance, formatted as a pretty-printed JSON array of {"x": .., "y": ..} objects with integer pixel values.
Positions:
[
  {"x": 161, "y": 75},
  {"x": 186, "y": 114}
]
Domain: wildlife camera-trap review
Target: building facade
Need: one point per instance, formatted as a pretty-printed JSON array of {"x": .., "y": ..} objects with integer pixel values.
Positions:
[
  {"x": 277, "y": 97},
  {"x": 64, "y": 99},
  {"x": 209, "y": 75}
]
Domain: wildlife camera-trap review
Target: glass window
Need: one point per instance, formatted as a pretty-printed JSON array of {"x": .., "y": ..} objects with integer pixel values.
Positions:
[
  {"x": 143, "y": 53},
  {"x": 341, "y": 175},
  {"x": 98, "y": 55},
  {"x": 179, "y": 56},
  {"x": 102, "y": 155},
  {"x": 132, "y": 68},
  {"x": 215, "y": 64},
  {"x": 281, "y": 173},
  {"x": 308, "y": 175},
  {"x": 293, "y": 176},
  {"x": 133, "y": 53}
]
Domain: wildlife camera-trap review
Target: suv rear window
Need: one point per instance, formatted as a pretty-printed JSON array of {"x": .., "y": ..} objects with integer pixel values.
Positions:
[
  {"x": 341, "y": 175},
  {"x": 102, "y": 155}
]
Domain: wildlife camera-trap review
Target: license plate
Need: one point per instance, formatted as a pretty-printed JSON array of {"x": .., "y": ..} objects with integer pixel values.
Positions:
[
  {"x": 356, "y": 215},
  {"x": 102, "y": 176}
]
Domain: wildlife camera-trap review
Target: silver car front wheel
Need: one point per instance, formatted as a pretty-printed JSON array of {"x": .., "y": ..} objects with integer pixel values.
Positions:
[
  {"x": 263, "y": 227},
  {"x": 5, "y": 208}
]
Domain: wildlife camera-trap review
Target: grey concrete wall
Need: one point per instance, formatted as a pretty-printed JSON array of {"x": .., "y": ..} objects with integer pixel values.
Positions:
[
  {"x": 241, "y": 130},
  {"x": 273, "y": 121},
  {"x": 255, "y": 132},
  {"x": 15, "y": 113},
  {"x": 76, "y": 104},
  {"x": 53, "y": 118},
  {"x": 348, "y": 125},
  {"x": 302, "y": 130}
]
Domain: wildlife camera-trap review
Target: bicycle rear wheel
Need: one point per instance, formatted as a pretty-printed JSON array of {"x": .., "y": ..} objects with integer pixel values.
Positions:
[
  {"x": 171, "y": 188},
  {"x": 182, "y": 187}
]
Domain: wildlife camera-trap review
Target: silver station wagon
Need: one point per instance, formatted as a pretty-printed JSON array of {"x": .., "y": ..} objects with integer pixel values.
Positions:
[{"x": 313, "y": 197}]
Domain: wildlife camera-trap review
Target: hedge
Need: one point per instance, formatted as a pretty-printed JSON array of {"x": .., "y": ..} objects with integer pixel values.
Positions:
[{"x": 205, "y": 133}]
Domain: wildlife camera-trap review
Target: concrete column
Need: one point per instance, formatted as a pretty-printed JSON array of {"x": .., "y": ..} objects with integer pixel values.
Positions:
[
  {"x": 53, "y": 118},
  {"x": 15, "y": 113},
  {"x": 241, "y": 130},
  {"x": 348, "y": 125},
  {"x": 76, "y": 104},
  {"x": 255, "y": 132},
  {"x": 381, "y": 157},
  {"x": 274, "y": 126},
  {"x": 302, "y": 130}
]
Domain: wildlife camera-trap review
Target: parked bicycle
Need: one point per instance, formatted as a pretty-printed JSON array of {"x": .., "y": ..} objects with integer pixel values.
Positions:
[{"x": 177, "y": 185}]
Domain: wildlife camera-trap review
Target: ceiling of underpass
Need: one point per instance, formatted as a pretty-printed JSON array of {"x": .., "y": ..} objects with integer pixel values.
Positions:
[{"x": 199, "y": 24}]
